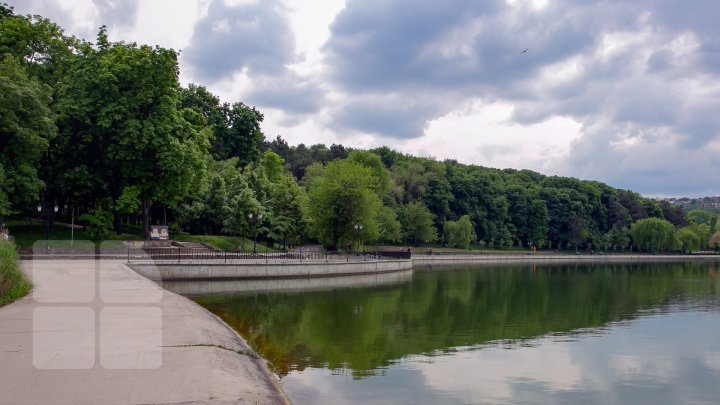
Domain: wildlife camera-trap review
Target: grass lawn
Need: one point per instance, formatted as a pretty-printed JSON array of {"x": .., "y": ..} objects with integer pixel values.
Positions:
[
  {"x": 61, "y": 236},
  {"x": 223, "y": 242},
  {"x": 13, "y": 284}
]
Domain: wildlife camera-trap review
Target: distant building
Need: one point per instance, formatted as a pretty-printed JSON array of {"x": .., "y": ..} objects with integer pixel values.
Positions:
[{"x": 709, "y": 202}]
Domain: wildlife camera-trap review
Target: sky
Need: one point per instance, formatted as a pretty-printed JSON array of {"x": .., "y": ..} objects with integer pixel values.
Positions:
[{"x": 624, "y": 92}]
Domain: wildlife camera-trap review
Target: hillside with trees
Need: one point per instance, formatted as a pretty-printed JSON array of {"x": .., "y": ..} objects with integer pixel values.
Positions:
[{"x": 106, "y": 131}]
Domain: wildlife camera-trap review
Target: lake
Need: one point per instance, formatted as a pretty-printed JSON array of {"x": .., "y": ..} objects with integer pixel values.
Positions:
[{"x": 540, "y": 334}]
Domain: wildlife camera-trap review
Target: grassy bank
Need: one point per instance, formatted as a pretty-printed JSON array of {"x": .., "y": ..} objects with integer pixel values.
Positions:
[{"x": 13, "y": 284}]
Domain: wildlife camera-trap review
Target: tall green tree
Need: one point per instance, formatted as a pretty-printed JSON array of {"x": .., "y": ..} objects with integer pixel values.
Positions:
[
  {"x": 342, "y": 196},
  {"x": 653, "y": 234},
  {"x": 689, "y": 240},
  {"x": 417, "y": 222},
  {"x": 241, "y": 135},
  {"x": 26, "y": 128},
  {"x": 120, "y": 101},
  {"x": 389, "y": 228},
  {"x": 460, "y": 233}
]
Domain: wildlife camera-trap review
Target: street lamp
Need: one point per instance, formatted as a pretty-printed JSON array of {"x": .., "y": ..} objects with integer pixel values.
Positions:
[
  {"x": 358, "y": 228},
  {"x": 47, "y": 226},
  {"x": 254, "y": 219}
]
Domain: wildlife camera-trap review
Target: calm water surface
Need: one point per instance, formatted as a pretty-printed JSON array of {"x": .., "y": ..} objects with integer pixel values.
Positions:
[{"x": 640, "y": 334}]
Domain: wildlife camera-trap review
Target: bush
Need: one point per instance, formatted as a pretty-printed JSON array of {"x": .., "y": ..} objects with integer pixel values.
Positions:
[{"x": 13, "y": 284}]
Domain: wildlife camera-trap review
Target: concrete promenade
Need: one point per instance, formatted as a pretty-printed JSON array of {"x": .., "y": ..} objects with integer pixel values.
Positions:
[{"x": 95, "y": 332}]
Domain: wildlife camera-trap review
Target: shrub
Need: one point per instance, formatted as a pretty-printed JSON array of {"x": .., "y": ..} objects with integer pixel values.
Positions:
[{"x": 13, "y": 284}]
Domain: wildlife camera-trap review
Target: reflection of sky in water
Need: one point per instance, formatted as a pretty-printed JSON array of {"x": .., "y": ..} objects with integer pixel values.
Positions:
[{"x": 659, "y": 358}]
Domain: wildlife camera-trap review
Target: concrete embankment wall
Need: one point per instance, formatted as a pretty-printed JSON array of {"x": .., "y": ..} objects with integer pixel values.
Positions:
[
  {"x": 203, "y": 287},
  {"x": 217, "y": 271},
  {"x": 421, "y": 260}
]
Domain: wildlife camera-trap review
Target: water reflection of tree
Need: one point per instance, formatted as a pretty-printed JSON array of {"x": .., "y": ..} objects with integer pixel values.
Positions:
[{"x": 443, "y": 310}]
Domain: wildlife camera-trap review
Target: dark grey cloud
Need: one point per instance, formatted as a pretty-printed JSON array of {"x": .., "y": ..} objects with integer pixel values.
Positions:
[
  {"x": 381, "y": 115},
  {"x": 246, "y": 36},
  {"x": 288, "y": 92}
]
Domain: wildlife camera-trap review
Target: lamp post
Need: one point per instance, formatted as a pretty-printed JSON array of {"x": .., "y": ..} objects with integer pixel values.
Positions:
[
  {"x": 358, "y": 228},
  {"x": 47, "y": 225},
  {"x": 254, "y": 218}
]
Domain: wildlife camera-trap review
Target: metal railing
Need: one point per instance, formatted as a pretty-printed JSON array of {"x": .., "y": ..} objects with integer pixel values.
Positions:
[{"x": 185, "y": 255}]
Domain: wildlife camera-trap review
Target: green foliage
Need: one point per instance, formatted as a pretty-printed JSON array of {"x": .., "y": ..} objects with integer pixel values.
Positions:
[
  {"x": 120, "y": 102},
  {"x": 272, "y": 163},
  {"x": 289, "y": 206},
  {"x": 373, "y": 162},
  {"x": 701, "y": 216},
  {"x": 654, "y": 234},
  {"x": 617, "y": 238},
  {"x": 26, "y": 127},
  {"x": 689, "y": 240},
  {"x": 417, "y": 222},
  {"x": 674, "y": 214},
  {"x": 341, "y": 196},
  {"x": 98, "y": 222},
  {"x": 13, "y": 284},
  {"x": 389, "y": 227},
  {"x": 702, "y": 232},
  {"x": 460, "y": 233},
  {"x": 714, "y": 241},
  {"x": 241, "y": 136}
]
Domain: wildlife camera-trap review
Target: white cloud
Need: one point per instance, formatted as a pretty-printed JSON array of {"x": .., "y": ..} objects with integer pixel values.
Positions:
[{"x": 484, "y": 133}]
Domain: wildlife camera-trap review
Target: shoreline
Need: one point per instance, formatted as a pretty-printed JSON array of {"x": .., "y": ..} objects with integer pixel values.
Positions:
[{"x": 189, "y": 271}]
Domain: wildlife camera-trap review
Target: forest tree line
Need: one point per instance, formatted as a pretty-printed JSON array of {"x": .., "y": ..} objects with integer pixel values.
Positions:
[{"x": 106, "y": 131}]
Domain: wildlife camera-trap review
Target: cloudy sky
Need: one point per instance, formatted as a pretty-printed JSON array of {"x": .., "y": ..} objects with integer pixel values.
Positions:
[{"x": 626, "y": 92}]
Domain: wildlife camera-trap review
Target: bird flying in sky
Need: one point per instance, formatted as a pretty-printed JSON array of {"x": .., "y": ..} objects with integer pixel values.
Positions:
[{"x": 525, "y": 51}]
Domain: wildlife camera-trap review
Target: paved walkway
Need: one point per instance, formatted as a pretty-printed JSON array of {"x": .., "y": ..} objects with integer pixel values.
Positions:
[{"x": 98, "y": 333}]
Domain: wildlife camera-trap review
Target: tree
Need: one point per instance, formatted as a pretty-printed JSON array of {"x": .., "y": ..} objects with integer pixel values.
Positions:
[
  {"x": 341, "y": 196},
  {"x": 389, "y": 228},
  {"x": 242, "y": 137},
  {"x": 37, "y": 43},
  {"x": 617, "y": 238},
  {"x": 653, "y": 234},
  {"x": 26, "y": 127},
  {"x": 98, "y": 222},
  {"x": 460, "y": 233},
  {"x": 689, "y": 240},
  {"x": 119, "y": 101},
  {"x": 417, "y": 222},
  {"x": 702, "y": 232},
  {"x": 373, "y": 162},
  {"x": 700, "y": 216},
  {"x": 288, "y": 215},
  {"x": 674, "y": 214},
  {"x": 714, "y": 241},
  {"x": 527, "y": 213}
]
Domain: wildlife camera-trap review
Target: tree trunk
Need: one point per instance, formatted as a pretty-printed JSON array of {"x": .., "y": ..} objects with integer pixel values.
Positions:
[
  {"x": 146, "y": 216},
  {"x": 117, "y": 219}
]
